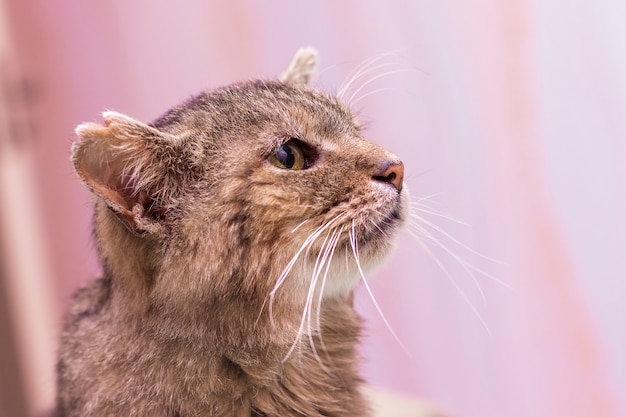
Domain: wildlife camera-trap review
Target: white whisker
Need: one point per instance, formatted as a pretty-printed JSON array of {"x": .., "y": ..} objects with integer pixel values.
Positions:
[
  {"x": 370, "y": 93},
  {"x": 350, "y": 101},
  {"x": 306, "y": 312},
  {"x": 449, "y": 276},
  {"x": 361, "y": 70},
  {"x": 379, "y": 229},
  {"x": 424, "y": 198},
  {"x": 458, "y": 242},
  {"x": 334, "y": 239},
  {"x": 305, "y": 246},
  {"x": 355, "y": 252},
  {"x": 322, "y": 262},
  {"x": 426, "y": 234},
  {"x": 425, "y": 231},
  {"x": 423, "y": 208},
  {"x": 300, "y": 225}
]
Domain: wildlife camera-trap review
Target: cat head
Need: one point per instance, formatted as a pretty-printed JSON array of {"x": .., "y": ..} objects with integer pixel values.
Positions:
[{"x": 247, "y": 189}]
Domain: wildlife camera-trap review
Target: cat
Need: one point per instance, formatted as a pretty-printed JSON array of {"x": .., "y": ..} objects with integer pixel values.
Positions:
[{"x": 232, "y": 232}]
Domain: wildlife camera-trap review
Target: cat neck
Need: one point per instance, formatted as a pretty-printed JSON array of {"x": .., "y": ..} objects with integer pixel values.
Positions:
[{"x": 239, "y": 317}]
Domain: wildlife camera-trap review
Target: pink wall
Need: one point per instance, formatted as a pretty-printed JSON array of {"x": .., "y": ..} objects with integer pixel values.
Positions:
[{"x": 509, "y": 114}]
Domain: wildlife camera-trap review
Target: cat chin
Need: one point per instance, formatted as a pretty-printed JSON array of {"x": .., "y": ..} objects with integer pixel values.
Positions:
[
  {"x": 341, "y": 286},
  {"x": 344, "y": 273},
  {"x": 342, "y": 280}
]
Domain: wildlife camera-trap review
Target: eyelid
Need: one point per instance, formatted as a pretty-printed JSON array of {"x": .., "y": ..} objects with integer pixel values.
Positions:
[{"x": 309, "y": 153}]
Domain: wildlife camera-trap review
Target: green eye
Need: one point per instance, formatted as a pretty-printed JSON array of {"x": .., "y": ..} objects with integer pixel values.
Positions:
[{"x": 289, "y": 155}]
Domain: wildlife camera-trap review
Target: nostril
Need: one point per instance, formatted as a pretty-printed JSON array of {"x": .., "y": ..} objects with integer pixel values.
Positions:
[
  {"x": 391, "y": 173},
  {"x": 388, "y": 178}
]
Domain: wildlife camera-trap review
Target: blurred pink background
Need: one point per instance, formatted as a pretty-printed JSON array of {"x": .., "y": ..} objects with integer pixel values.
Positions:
[{"x": 509, "y": 116}]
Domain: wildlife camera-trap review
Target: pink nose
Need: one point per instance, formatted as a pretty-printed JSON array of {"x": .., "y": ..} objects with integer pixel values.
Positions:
[{"x": 391, "y": 172}]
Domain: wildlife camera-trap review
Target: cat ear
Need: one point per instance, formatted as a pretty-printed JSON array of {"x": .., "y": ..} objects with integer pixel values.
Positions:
[
  {"x": 124, "y": 162},
  {"x": 301, "y": 68}
]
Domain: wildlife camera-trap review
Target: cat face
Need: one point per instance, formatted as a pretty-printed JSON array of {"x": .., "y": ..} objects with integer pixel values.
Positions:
[{"x": 253, "y": 188}]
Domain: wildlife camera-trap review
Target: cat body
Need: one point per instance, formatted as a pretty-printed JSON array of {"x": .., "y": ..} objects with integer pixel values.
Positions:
[{"x": 232, "y": 232}]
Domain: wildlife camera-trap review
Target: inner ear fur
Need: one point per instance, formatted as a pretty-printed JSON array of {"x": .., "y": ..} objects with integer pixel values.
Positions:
[
  {"x": 301, "y": 68},
  {"x": 125, "y": 163}
]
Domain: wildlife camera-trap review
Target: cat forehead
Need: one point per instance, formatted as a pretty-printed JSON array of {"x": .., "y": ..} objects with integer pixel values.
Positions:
[{"x": 262, "y": 104}]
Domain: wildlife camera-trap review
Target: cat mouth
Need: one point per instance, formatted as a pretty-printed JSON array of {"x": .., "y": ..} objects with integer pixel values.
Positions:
[
  {"x": 395, "y": 215},
  {"x": 397, "y": 211},
  {"x": 391, "y": 222},
  {"x": 384, "y": 227}
]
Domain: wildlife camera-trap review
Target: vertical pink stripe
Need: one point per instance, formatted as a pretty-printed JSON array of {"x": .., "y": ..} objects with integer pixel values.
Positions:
[{"x": 575, "y": 372}]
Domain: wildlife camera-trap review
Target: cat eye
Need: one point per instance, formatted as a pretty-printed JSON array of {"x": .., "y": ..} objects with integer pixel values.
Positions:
[{"x": 289, "y": 155}]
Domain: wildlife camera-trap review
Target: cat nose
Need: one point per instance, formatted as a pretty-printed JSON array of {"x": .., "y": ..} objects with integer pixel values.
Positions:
[{"x": 391, "y": 172}]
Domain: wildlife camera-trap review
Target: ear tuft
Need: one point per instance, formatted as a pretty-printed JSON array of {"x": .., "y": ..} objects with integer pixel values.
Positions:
[
  {"x": 112, "y": 116},
  {"x": 86, "y": 130},
  {"x": 126, "y": 126},
  {"x": 301, "y": 68}
]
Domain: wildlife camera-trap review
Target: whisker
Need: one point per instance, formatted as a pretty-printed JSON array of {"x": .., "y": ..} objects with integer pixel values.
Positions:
[
  {"x": 355, "y": 253},
  {"x": 306, "y": 312},
  {"x": 420, "y": 229},
  {"x": 332, "y": 246},
  {"x": 379, "y": 229},
  {"x": 360, "y": 71},
  {"x": 423, "y": 208},
  {"x": 458, "y": 242},
  {"x": 350, "y": 101},
  {"x": 364, "y": 96},
  {"x": 318, "y": 269},
  {"x": 322, "y": 262},
  {"x": 307, "y": 243},
  {"x": 452, "y": 281},
  {"x": 305, "y": 246},
  {"x": 425, "y": 198},
  {"x": 300, "y": 225},
  {"x": 425, "y": 233}
]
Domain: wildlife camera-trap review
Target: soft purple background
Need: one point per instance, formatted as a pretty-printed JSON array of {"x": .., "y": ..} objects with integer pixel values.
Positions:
[{"x": 509, "y": 116}]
